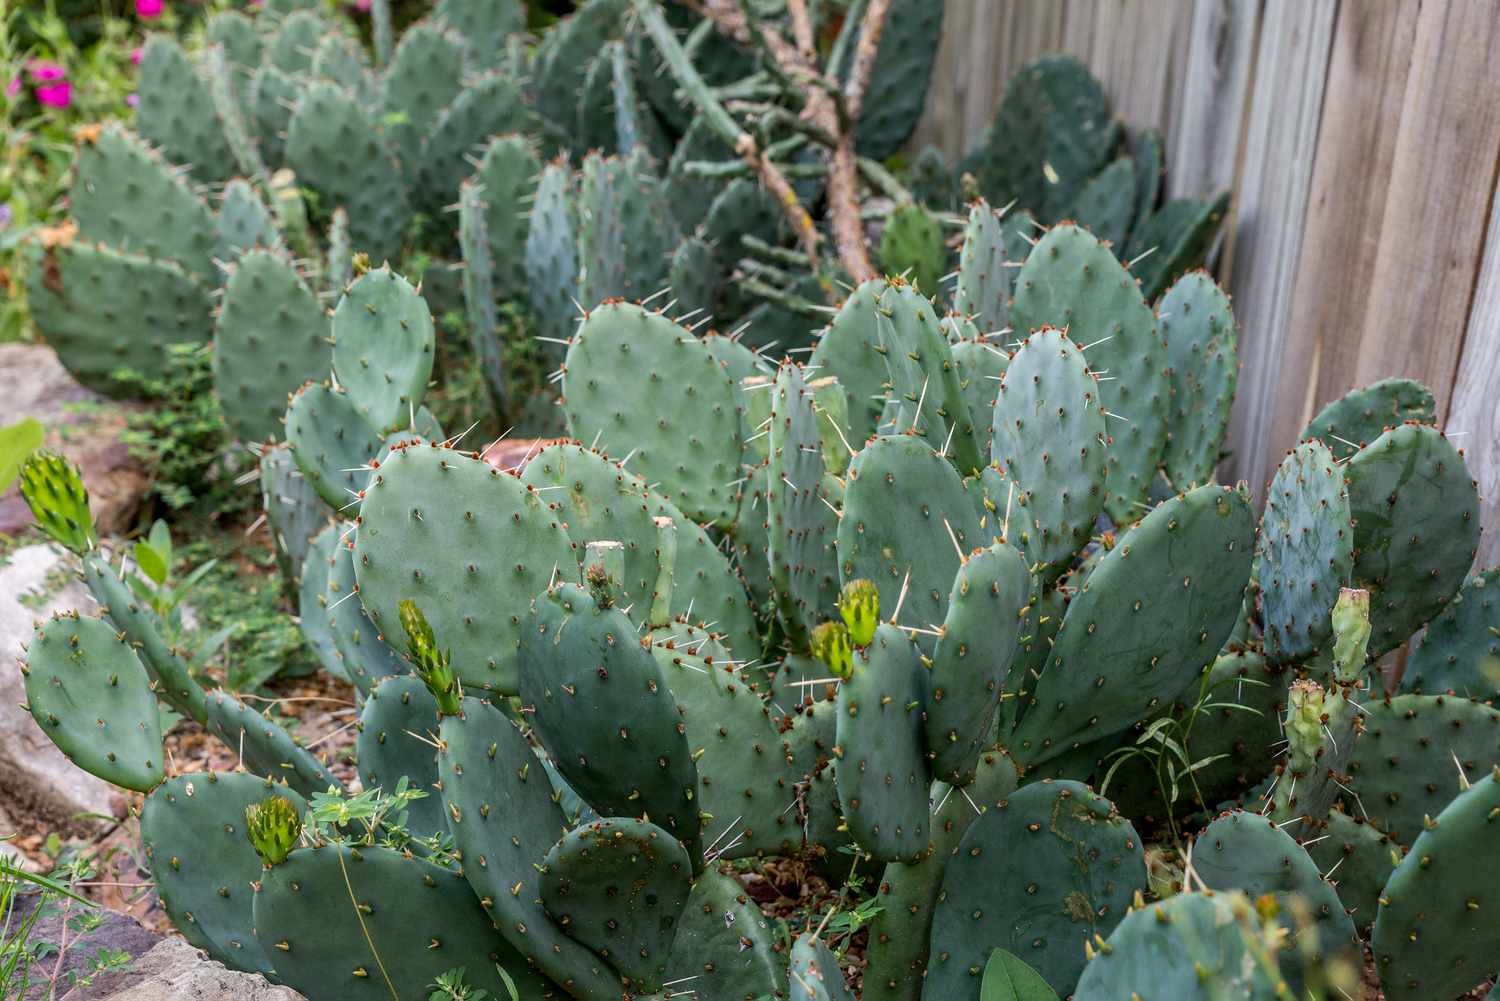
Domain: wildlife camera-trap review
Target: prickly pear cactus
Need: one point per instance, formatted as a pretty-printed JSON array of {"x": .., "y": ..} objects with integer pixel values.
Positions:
[
  {"x": 1073, "y": 282},
  {"x": 1358, "y": 417},
  {"x": 193, "y": 832},
  {"x": 1305, "y": 552},
  {"x": 1152, "y": 615},
  {"x": 88, "y": 692},
  {"x": 370, "y": 922},
  {"x": 1416, "y": 528},
  {"x": 619, "y": 886},
  {"x": 581, "y": 661},
  {"x": 1432, "y": 937},
  {"x": 883, "y": 775},
  {"x": 1083, "y": 863},
  {"x": 1460, "y": 650},
  {"x": 1194, "y": 946},
  {"x": 1049, "y": 437},
  {"x": 481, "y": 538}
]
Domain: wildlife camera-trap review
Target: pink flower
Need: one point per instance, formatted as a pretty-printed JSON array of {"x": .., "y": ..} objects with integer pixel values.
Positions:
[
  {"x": 43, "y": 71},
  {"x": 14, "y": 87},
  {"x": 148, "y": 9},
  {"x": 55, "y": 95},
  {"x": 135, "y": 55},
  {"x": 132, "y": 99},
  {"x": 363, "y": 5}
]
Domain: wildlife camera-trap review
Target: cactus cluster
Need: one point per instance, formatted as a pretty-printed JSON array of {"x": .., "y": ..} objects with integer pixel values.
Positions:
[{"x": 921, "y": 598}]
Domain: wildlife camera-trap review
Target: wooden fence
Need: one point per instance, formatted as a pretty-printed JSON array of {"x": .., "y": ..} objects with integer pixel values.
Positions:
[{"x": 1360, "y": 139}]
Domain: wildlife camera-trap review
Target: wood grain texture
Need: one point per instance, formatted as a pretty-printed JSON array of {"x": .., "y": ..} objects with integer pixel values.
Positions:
[
  {"x": 1264, "y": 248},
  {"x": 1342, "y": 233},
  {"x": 1474, "y": 413},
  {"x": 1437, "y": 208},
  {"x": 1206, "y": 122}
]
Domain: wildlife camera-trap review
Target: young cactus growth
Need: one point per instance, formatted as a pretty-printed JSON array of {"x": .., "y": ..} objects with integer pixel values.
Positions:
[
  {"x": 1351, "y": 634},
  {"x": 430, "y": 663},
  {"x": 831, "y": 644},
  {"x": 54, "y": 491},
  {"x": 273, "y": 828},
  {"x": 859, "y": 606}
]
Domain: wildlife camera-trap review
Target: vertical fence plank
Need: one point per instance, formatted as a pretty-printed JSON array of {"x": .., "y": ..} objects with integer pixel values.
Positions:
[
  {"x": 1367, "y": 77},
  {"x": 1475, "y": 411},
  {"x": 1205, "y": 124},
  {"x": 1265, "y": 243},
  {"x": 1438, "y": 204},
  {"x": 1138, "y": 48}
]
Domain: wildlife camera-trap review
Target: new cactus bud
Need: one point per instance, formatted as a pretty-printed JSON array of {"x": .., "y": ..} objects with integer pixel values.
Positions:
[
  {"x": 604, "y": 569},
  {"x": 831, "y": 645},
  {"x": 430, "y": 663},
  {"x": 1306, "y": 713},
  {"x": 273, "y": 827},
  {"x": 859, "y": 604},
  {"x": 1351, "y": 634},
  {"x": 55, "y": 493}
]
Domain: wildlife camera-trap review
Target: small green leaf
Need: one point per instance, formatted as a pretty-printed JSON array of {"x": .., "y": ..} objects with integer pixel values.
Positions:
[
  {"x": 151, "y": 563},
  {"x": 17, "y": 441},
  {"x": 1007, "y": 978},
  {"x": 161, "y": 540}
]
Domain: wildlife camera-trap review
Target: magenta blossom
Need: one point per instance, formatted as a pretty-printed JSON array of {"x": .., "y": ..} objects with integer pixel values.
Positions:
[
  {"x": 148, "y": 9},
  {"x": 55, "y": 95},
  {"x": 14, "y": 87},
  {"x": 43, "y": 71},
  {"x": 133, "y": 99},
  {"x": 135, "y": 55}
]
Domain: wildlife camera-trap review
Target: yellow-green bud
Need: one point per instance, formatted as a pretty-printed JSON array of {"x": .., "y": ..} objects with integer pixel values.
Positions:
[
  {"x": 1351, "y": 634},
  {"x": 830, "y": 644},
  {"x": 859, "y": 605},
  {"x": 55, "y": 493},
  {"x": 429, "y": 663},
  {"x": 273, "y": 827}
]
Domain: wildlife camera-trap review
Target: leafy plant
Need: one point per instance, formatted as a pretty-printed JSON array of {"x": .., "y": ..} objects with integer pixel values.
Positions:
[{"x": 182, "y": 439}]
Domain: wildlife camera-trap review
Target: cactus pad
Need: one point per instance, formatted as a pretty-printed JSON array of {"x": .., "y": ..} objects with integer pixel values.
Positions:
[
  {"x": 501, "y": 810},
  {"x": 1071, "y": 280},
  {"x": 1433, "y": 936},
  {"x": 370, "y": 924},
  {"x": 332, "y": 443},
  {"x": 972, "y": 657},
  {"x": 1083, "y": 862},
  {"x": 176, "y": 112},
  {"x": 1359, "y": 416},
  {"x": 104, "y": 311},
  {"x": 642, "y": 387},
  {"x": 1416, "y": 528},
  {"x": 815, "y": 972},
  {"x": 204, "y": 867},
  {"x": 906, "y": 515},
  {"x": 619, "y": 886},
  {"x": 1151, "y": 617},
  {"x": 1049, "y": 438},
  {"x": 90, "y": 695},
  {"x": 1202, "y": 349},
  {"x": 397, "y": 727},
  {"x": 883, "y": 775},
  {"x": 461, "y": 539},
  {"x": 271, "y": 337},
  {"x": 1411, "y": 759},
  {"x": 1305, "y": 552},
  {"x": 1460, "y": 651},
  {"x": 581, "y": 663},
  {"x": 383, "y": 346}
]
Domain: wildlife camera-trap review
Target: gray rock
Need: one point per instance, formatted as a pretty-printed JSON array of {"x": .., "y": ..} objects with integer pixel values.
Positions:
[
  {"x": 81, "y": 425},
  {"x": 175, "y": 971},
  {"x": 92, "y": 934},
  {"x": 36, "y": 779}
]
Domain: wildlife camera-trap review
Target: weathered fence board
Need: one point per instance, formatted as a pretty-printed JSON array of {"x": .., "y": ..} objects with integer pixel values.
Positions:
[{"x": 1264, "y": 247}]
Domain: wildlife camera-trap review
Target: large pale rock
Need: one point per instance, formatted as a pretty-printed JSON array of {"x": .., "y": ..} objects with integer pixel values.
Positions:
[
  {"x": 175, "y": 971},
  {"x": 36, "y": 779},
  {"x": 81, "y": 425}
]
